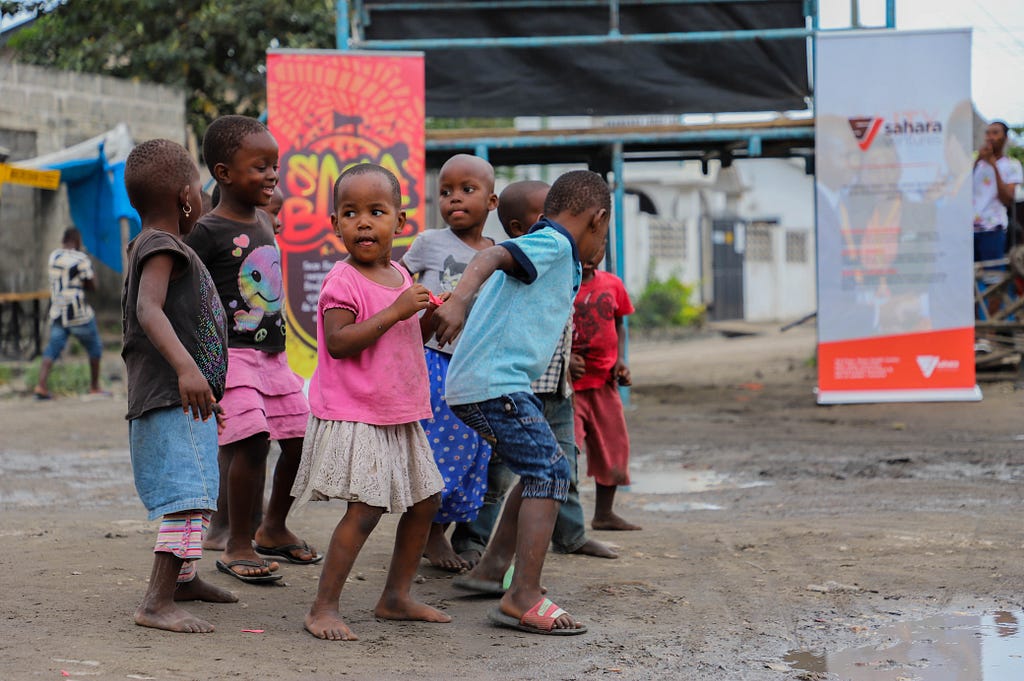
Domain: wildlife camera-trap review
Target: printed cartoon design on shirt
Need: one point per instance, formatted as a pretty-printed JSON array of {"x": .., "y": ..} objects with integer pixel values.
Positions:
[
  {"x": 451, "y": 273},
  {"x": 588, "y": 313},
  {"x": 261, "y": 285}
]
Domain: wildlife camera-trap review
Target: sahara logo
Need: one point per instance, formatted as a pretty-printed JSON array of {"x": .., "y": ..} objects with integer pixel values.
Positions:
[
  {"x": 929, "y": 363},
  {"x": 865, "y": 128},
  {"x": 911, "y": 127}
]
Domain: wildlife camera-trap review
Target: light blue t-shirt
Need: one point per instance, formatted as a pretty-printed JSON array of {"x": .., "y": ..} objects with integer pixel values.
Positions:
[{"x": 517, "y": 319}]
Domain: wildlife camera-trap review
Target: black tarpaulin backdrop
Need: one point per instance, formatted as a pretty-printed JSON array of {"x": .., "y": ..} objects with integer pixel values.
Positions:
[{"x": 613, "y": 79}]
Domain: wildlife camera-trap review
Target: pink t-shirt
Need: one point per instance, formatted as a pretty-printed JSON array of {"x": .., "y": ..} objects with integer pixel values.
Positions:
[{"x": 386, "y": 383}]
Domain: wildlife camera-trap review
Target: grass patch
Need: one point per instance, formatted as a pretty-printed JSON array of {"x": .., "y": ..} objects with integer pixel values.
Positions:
[{"x": 66, "y": 378}]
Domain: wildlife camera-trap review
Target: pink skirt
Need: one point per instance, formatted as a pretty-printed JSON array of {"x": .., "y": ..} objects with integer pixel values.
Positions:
[{"x": 263, "y": 395}]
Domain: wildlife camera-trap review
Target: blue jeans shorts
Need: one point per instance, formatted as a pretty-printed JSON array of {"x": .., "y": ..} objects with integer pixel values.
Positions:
[
  {"x": 518, "y": 432},
  {"x": 88, "y": 334},
  {"x": 174, "y": 461}
]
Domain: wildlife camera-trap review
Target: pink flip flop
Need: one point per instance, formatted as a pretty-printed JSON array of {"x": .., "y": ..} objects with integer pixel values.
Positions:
[{"x": 540, "y": 619}]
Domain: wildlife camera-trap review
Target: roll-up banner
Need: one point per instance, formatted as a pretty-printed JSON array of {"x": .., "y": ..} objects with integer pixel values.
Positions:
[
  {"x": 329, "y": 110},
  {"x": 893, "y": 158}
]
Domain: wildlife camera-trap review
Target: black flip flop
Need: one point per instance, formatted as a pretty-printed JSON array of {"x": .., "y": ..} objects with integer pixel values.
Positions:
[
  {"x": 250, "y": 579},
  {"x": 285, "y": 553}
]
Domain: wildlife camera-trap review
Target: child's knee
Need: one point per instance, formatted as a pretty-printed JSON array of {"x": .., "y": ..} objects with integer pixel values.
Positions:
[
  {"x": 428, "y": 506},
  {"x": 363, "y": 517}
]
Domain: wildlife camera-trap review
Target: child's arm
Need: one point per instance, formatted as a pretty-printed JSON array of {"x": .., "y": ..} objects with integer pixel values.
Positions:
[
  {"x": 451, "y": 316},
  {"x": 192, "y": 385},
  {"x": 347, "y": 338},
  {"x": 620, "y": 372}
]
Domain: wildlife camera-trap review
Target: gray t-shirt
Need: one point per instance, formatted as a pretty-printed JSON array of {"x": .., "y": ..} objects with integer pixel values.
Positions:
[{"x": 438, "y": 258}]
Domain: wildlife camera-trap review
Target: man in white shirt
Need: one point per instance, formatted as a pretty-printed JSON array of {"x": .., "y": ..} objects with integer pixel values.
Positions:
[
  {"x": 71, "y": 275},
  {"x": 996, "y": 177}
]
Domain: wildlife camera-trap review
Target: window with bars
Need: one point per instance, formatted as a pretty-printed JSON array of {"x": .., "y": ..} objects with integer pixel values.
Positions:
[
  {"x": 796, "y": 246},
  {"x": 759, "y": 241}
]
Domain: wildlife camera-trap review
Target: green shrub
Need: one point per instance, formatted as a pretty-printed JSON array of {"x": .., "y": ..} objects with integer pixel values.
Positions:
[{"x": 667, "y": 303}]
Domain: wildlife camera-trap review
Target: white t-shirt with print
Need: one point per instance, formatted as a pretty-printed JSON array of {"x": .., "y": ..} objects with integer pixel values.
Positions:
[{"x": 989, "y": 212}]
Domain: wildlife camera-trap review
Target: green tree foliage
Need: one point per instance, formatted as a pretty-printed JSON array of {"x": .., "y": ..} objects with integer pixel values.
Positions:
[{"x": 214, "y": 49}]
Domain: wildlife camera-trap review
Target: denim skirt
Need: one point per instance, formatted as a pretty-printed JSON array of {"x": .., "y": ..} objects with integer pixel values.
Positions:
[{"x": 174, "y": 461}]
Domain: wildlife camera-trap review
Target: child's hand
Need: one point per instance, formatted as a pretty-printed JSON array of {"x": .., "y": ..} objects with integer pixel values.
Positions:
[
  {"x": 196, "y": 395},
  {"x": 449, "y": 319},
  {"x": 577, "y": 367},
  {"x": 218, "y": 412},
  {"x": 620, "y": 373},
  {"x": 411, "y": 301}
]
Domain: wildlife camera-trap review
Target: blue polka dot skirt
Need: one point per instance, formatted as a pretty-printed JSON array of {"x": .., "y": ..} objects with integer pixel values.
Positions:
[{"x": 461, "y": 455}]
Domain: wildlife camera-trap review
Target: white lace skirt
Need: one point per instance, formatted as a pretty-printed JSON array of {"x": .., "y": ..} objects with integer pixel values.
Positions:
[{"x": 391, "y": 467}]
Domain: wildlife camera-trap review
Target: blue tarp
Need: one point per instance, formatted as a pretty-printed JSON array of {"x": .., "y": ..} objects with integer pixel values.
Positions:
[{"x": 98, "y": 201}]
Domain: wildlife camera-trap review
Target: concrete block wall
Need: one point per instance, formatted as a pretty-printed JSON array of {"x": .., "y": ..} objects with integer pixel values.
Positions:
[{"x": 45, "y": 110}]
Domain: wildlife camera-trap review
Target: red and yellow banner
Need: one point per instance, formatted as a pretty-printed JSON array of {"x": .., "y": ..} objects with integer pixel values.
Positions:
[{"x": 329, "y": 110}]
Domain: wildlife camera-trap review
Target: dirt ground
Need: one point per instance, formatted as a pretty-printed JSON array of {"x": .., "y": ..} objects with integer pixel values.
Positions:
[{"x": 770, "y": 525}]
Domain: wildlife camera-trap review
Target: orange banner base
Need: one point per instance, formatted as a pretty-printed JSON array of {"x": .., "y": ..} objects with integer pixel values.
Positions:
[{"x": 931, "y": 366}]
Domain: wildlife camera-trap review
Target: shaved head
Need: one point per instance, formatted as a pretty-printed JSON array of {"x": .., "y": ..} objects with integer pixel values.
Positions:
[
  {"x": 519, "y": 202},
  {"x": 472, "y": 165}
]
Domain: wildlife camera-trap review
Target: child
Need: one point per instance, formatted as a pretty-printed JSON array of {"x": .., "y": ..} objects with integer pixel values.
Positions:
[
  {"x": 175, "y": 353},
  {"x": 263, "y": 399},
  {"x": 364, "y": 443},
  {"x": 520, "y": 206},
  {"x": 509, "y": 339},
  {"x": 599, "y": 343},
  {"x": 438, "y": 258}
]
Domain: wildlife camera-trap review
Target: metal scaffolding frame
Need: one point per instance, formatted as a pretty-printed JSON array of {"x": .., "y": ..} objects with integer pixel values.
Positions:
[{"x": 603, "y": 150}]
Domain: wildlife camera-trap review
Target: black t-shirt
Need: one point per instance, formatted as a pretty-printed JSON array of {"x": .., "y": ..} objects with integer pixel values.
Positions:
[
  {"x": 246, "y": 267},
  {"x": 195, "y": 313}
]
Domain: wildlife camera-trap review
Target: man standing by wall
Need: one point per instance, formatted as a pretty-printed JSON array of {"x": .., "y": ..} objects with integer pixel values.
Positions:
[
  {"x": 71, "y": 276},
  {"x": 996, "y": 177}
]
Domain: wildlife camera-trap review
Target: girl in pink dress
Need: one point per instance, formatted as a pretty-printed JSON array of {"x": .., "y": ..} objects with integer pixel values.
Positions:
[{"x": 364, "y": 442}]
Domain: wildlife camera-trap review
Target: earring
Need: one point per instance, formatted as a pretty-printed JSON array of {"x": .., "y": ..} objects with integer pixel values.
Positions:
[{"x": 186, "y": 209}]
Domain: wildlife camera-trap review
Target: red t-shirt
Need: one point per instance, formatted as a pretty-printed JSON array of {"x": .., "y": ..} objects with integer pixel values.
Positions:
[{"x": 599, "y": 303}]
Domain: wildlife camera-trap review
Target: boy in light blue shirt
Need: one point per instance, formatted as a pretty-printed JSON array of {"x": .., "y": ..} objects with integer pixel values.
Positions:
[{"x": 526, "y": 291}]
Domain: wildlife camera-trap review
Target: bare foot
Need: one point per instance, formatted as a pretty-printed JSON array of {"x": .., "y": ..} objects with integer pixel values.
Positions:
[
  {"x": 440, "y": 553},
  {"x": 329, "y": 627},
  {"x": 613, "y": 522},
  {"x": 393, "y": 608},
  {"x": 471, "y": 557},
  {"x": 172, "y": 618},
  {"x": 198, "y": 590},
  {"x": 592, "y": 547}
]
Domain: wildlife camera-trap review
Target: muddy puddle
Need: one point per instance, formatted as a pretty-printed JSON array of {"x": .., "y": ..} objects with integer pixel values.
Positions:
[
  {"x": 952, "y": 647},
  {"x": 651, "y": 488}
]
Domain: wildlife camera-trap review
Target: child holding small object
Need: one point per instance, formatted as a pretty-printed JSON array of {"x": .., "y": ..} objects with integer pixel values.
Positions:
[{"x": 364, "y": 442}]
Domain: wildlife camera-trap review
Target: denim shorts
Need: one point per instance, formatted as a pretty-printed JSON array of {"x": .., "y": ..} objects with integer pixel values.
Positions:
[
  {"x": 88, "y": 334},
  {"x": 518, "y": 432},
  {"x": 174, "y": 461}
]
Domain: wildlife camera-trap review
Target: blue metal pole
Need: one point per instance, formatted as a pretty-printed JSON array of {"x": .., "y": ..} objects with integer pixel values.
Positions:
[
  {"x": 688, "y": 136},
  {"x": 619, "y": 266},
  {"x": 890, "y": 13},
  {"x": 481, "y": 151},
  {"x": 580, "y": 40},
  {"x": 341, "y": 36},
  {"x": 468, "y": 5}
]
